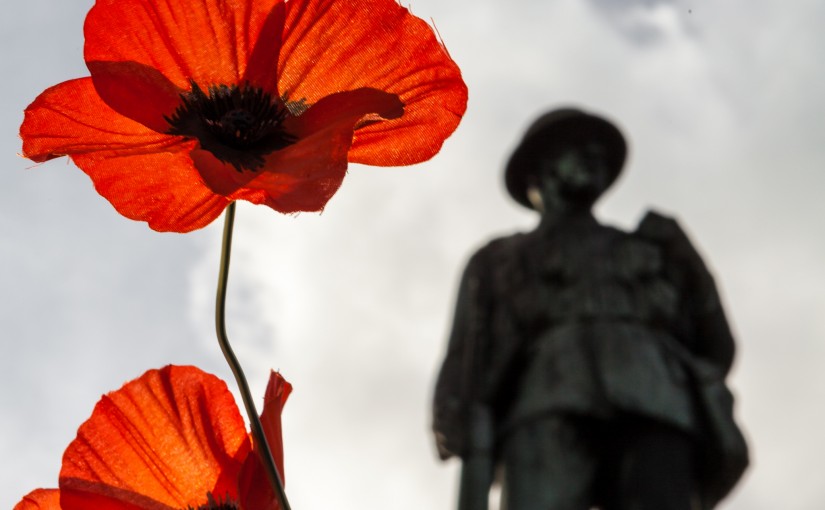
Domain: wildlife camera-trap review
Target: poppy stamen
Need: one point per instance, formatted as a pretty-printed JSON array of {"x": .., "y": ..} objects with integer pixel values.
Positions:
[
  {"x": 216, "y": 504},
  {"x": 239, "y": 124}
]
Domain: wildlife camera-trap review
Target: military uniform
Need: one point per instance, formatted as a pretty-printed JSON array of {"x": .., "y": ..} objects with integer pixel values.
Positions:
[{"x": 587, "y": 323}]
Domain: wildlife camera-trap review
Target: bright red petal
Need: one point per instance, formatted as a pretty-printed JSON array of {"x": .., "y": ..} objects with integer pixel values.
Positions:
[
  {"x": 277, "y": 392},
  {"x": 256, "y": 492},
  {"x": 70, "y": 119},
  {"x": 147, "y": 176},
  {"x": 162, "y": 188},
  {"x": 305, "y": 175},
  {"x": 162, "y": 441},
  {"x": 262, "y": 67},
  {"x": 136, "y": 91},
  {"x": 141, "y": 52},
  {"x": 40, "y": 499},
  {"x": 208, "y": 41},
  {"x": 254, "y": 488},
  {"x": 222, "y": 178},
  {"x": 300, "y": 178},
  {"x": 331, "y": 46}
]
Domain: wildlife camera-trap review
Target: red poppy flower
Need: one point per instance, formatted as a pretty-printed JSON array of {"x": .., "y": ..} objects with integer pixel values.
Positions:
[
  {"x": 172, "y": 439},
  {"x": 192, "y": 104}
]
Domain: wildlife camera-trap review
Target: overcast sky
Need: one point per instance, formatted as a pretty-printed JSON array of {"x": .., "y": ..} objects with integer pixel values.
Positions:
[{"x": 722, "y": 102}]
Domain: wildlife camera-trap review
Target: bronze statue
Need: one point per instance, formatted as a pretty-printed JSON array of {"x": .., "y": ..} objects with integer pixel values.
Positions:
[{"x": 586, "y": 364}]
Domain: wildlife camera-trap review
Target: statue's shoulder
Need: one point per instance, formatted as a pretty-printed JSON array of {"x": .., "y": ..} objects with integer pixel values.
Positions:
[
  {"x": 497, "y": 263},
  {"x": 500, "y": 250},
  {"x": 659, "y": 228}
]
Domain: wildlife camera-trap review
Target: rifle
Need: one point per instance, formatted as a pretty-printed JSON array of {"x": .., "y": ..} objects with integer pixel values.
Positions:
[{"x": 478, "y": 463}]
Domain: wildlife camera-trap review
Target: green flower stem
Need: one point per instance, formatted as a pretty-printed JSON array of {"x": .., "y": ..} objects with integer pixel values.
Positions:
[{"x": 220, "y": 325}]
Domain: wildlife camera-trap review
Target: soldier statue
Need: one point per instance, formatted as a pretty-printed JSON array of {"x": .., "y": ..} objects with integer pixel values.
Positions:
[{"x": 586, "y": 364}]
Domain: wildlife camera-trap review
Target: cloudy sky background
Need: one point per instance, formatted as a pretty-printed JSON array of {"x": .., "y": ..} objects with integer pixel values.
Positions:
[{"x": 723, "y": 105}]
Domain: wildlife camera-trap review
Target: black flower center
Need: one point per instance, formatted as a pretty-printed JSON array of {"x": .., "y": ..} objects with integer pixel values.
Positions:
[
  {"x": 216, "y": 504},
  {"x": 239, "y": 124}
]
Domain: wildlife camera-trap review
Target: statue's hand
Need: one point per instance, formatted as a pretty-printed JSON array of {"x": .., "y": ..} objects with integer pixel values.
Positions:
[{"x": 448, "y": 426}]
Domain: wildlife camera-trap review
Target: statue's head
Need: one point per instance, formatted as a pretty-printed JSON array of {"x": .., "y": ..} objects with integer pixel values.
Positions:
[{"x": 568, "y": 153}]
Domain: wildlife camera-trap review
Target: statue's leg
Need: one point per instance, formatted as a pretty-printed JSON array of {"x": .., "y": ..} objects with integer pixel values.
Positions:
[
  {"x": 549, "y": 464},
  {"x": 655, "y": 468}
]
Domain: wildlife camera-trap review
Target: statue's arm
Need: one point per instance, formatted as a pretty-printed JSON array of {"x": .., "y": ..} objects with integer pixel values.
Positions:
[
  {"x": 706, "y": 329},
  {"x": 456, "y": 380}
]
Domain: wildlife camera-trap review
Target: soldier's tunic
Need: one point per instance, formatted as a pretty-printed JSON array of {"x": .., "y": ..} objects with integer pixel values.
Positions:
[{"x": 601, "y": 316}]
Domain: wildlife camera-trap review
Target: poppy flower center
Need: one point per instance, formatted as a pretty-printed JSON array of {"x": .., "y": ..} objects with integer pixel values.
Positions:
[
  {"x": 239, "y": 124},
  {"x": 216, "y": 504}
]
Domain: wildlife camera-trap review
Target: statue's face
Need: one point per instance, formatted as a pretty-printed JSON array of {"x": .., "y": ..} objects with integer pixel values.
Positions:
[{"x": 575, "y": 175}]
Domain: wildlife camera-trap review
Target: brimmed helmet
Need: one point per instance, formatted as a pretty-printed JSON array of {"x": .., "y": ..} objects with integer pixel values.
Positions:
[{"x": 555, "y": 130}]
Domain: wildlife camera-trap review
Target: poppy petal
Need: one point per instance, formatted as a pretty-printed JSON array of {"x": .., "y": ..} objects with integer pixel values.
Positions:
[
  {"x": 262, "y": 69},
  {"x": 313, "y": 170},
  {"x": 164, "y": 440},
  {"x": 147, "y": 176},
  {"x": 208, "y": 41},
  {"x": 220, "y": 177},
  {"x": 331, "y": 46},
  {"x": 304, "y": 175},
  {"x": 136, "y": 91},
  {"x": 254, "y": 487},
  {"x": 70, "y": 118},
  {"x": 40, "y": 499},
  {"x": 277, "y": 392},
  {"x": 161, "y": 188}
]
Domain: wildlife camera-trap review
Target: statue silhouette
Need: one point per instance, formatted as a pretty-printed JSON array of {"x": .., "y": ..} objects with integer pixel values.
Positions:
[{"x": 586, "y": 364}]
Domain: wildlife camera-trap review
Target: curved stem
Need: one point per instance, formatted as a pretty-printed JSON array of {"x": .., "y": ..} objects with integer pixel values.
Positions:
[{"x": 220, "y": 325}]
